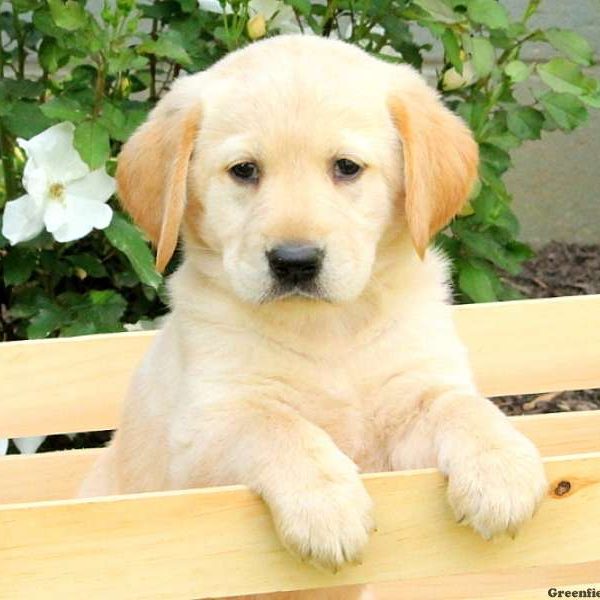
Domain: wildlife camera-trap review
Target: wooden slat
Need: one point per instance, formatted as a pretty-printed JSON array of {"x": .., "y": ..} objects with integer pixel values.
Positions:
[
  {"x": 66, "y": 384},
  {"x": 219, "y": 542},
  {"x": 77, "y": 384},
  {"x": 533, "y": 346},
  {"x": 57, "y": 475},
  {"x": 528, "y": 584}
]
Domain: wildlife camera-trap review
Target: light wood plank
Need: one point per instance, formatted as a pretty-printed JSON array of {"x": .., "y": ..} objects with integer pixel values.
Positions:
[
  {"x": 78, "y": 384},
  {"x": 516, "y": 584},
  {"x": 218, "y": 542},
  {"x": 57, "y": 475},
  {"x": 67, "y": 384},
  {"x": 533, "y": 346}
]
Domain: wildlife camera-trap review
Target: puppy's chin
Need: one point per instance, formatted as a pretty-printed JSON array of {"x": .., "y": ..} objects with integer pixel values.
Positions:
[{"x": 312, "y": 291}]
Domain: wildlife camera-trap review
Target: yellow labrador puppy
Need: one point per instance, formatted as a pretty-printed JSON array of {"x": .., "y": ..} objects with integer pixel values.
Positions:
[{"x": 310, "y": 337}]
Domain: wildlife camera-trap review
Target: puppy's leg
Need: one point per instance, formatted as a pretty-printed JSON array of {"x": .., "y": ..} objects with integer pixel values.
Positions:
[
  {"x": 102, "y": 479},
  {"x": 495, "y": 475},
  {"x": 319, "y": 505}
]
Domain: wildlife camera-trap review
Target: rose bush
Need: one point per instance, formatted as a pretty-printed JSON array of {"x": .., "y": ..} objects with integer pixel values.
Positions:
[{"x": 75, "y": 83}]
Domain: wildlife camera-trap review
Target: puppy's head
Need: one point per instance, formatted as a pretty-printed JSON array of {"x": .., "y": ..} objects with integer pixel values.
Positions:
[{"x": 287, "y": 163}]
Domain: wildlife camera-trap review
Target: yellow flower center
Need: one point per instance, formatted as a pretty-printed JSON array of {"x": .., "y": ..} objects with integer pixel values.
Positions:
[{"x": 57, "y": 192}]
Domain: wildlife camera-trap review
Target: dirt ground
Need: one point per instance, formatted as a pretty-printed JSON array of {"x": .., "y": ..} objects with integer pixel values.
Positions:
[{"x": 558, "y": 270}]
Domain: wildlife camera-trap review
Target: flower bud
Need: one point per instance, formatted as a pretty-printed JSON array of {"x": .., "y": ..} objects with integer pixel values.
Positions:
[{"x": 256, "y": 27}]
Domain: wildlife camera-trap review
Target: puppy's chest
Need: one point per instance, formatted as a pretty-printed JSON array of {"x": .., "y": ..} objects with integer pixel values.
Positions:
[{"x": 345, "y": 401}]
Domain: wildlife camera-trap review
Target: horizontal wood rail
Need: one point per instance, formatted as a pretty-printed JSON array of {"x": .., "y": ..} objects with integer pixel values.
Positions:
[
  {"x": 218, "y": 542},
  {"x": 57, "y": 475},
  {"x": 78, "y": 384}
]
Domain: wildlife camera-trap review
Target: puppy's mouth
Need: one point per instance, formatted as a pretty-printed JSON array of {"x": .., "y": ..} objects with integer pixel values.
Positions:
[{"x": 310, "y": 290}]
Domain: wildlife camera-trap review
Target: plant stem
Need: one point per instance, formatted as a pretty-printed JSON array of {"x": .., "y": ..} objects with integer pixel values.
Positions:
[
  {"x": 153, "y": 35},
  {"x": 21, "y": 56},
  {"x": 329, "y": 18},
  {"x": 7, "y": 151},
  {"x": 100, "y": 84}
]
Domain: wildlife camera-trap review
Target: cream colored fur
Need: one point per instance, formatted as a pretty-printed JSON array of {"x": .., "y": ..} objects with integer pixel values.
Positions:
[{"x": 295, "y": 397}]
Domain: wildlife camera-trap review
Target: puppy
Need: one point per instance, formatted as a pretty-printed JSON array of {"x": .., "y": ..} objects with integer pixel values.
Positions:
[{"x": 310, "y": 337}]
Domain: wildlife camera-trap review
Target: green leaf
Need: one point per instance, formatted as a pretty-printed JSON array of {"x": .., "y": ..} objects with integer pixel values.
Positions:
[
  {"x": 573, "y": 45},
  {"x": 525, "y": 122},
  {"x": 63, "y": 109},
  {"x": 484, "y": 245},
  {"x": 517, "y": 71},
  {"x": 88, "y": 263},
  {"x": 115, "y": 121},
  {"x": 483, "y": 56},
  {"x": 69, "y": 15},
  {"x": 592, "y": 100},
  {"x": 106, "y": 307},
  {"x": 488, "y": 12},
  {"x": 476, "y": 282},
  {"x": 45, "y": 322},
  {"x": 92, "y": 142},
  {"x": 127, "y": 238},
  {"x": 26, "y": 120},
  {"x": 494, "y": 156},
  {"x": 565, "y": 77},
  {"x": 18, "y": 265},
  {"x": 302, "y": 6},
  {"x": 21, "y": 88},
  {"x": 27, "y": 301},
  {"x": 51, "y": 55},
  {"x": 439, "y": 9},
  {"x": 566, "y": 110},
  {"x": 168, "y": 45},
  {"x": 452, "y": 49}
]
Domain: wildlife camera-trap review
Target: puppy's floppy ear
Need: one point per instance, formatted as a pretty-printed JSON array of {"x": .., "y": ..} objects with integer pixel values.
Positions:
[
  {"x": 153, "y": 166},
  {"x": 440, "y": 157}
]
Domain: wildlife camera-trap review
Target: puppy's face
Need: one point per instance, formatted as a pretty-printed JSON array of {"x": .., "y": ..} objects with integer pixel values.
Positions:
[
  {"x": 296, "y": 185},
  {"x": 289, "y": 162}
]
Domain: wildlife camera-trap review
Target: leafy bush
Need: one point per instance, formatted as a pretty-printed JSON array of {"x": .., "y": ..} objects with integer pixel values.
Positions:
[{"x": 60, "y": 62}]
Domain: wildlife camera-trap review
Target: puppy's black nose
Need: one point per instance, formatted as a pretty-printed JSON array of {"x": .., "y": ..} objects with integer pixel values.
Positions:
[{"x": 295, "y": 263}]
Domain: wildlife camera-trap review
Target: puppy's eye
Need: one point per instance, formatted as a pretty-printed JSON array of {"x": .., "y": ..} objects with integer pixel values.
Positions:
[
  {"x": 245, "y": 171},
  {"x": 345, "y": 168}
]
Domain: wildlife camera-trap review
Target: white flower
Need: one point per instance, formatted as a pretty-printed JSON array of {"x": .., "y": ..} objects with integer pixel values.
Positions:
[
  {"x": 214, "y": 6},
  {"x": 280, "y": 16},
  {"x": 62, "y": 193},
  {"x": 453, "y": 80},
  {"x": 29, "y": 445}
]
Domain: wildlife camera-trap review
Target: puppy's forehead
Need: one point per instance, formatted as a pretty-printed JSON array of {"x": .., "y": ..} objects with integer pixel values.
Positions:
[{"x": 301, "y": 76}]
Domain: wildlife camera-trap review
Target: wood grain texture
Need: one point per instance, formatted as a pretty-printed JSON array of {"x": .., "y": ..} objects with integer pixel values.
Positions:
[
  {"x": 529, "y": 583},
  {"x": 533, "y": 346},
  {"x": 57, "y": 475},
  {"x": 218, "y": 542},
  {"x": 78, "y": 384}
]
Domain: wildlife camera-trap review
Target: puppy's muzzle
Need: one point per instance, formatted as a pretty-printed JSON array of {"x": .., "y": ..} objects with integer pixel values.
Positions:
[{"x": 295, "y": 264}]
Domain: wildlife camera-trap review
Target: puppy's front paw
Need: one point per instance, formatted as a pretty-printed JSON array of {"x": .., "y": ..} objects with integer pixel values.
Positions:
[
  {"x": 328, "y": 525},
  {"x": 499, "y": 489}
]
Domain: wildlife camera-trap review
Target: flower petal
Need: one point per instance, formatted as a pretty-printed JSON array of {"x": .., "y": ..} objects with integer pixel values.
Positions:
[
  {"x": 80, "y": 216},
  {"x": 3, "y": 446},
  {"x": 35, "y": 180},
  {"x": 96, "y": 186},
  {"x": 23, "y": 219},
  {"x": 55, "y": 216},
  {"x": 267, "y": 8},
  {"x": 214, "y": 6},
  {"x": 29, "y": 445},
  {"x": 53, "y": 151}
]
